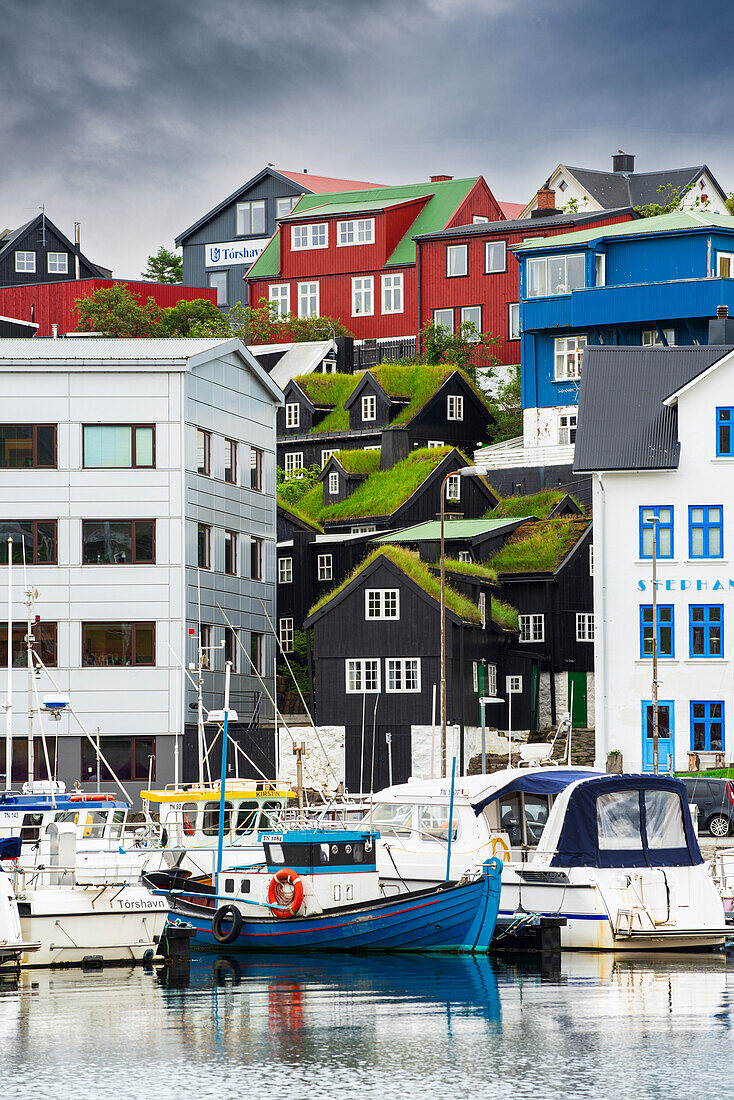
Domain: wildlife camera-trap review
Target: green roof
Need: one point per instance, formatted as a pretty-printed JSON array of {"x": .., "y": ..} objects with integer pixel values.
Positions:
[
  {"x": 418, "y": 571},
  {"x": 358, "y": 461},
  {"x": 381, "y": 493},
  {"x": 680, "y": 220},
  {"x": 343, "y": 208},
  {"x": 539, "y": 504},
  {"x": 453, "y": 529},
  {"x": 417, "y": 384},
  {"x": 444, "y": 198},
  {"x": 295, "y": 511},
  {"x": 539, "y": 547}
]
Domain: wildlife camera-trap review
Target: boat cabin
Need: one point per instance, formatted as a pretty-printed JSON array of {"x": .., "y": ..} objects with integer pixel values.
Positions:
[
  {"x": 190, "y": 815},
  {"x": 96, "y": 817}
]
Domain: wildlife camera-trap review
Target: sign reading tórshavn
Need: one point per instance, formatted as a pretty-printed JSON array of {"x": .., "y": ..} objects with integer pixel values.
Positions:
[{"x": 234, "y": 252}]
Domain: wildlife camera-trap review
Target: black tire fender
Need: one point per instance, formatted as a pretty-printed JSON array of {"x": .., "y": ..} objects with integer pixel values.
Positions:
[{"x": 223, "y": 915}]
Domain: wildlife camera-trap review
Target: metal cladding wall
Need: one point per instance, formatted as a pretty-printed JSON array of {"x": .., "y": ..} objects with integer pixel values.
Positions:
[
  {"x": 494, "y": 292},
  {"x": 53, "y": 303}
]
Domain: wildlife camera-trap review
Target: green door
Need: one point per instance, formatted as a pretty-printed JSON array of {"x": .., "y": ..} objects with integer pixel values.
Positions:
[{"x": 577, "y": 685}]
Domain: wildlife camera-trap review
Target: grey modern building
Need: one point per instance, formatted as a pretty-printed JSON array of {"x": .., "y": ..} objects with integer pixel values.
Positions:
[
  {"x": 140, "y": 474},
  {"x": 221, "y": 245}
]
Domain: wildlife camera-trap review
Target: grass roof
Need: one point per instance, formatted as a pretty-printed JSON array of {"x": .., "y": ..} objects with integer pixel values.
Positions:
[
  {"x": 416, "y": 383},
  {"x": 381, "y": 493},
  {"x": 410, "y": 564},
  {"x": 537, "y": 504},
  {"x": 298, "y": 513},
  {"x": 505, "y": 615},
  {"x": 359, "y": 462},
  {"x": 539, "y": 547},
  {"x": 470, "y": 568}
]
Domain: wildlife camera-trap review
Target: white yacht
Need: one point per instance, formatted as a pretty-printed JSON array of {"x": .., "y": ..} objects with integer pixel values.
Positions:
[{"x": 615, "y": 856}]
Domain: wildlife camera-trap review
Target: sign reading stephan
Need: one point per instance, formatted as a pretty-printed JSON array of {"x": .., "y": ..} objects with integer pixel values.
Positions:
[
  {"x": 682, "y": 584},
  {"x": 234, "y": 252}
]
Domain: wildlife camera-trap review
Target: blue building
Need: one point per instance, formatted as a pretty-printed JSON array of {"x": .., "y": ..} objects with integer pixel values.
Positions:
[{"x": 651, "y": 282}]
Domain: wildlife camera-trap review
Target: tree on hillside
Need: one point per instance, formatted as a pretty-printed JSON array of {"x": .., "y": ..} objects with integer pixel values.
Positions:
[
  {"x": 294, "y": 484},
  {"x": 262, "y": 324},
  {"x": 115, "y": 311},
  {"x": 198, "y": 317},
  {"x": 164, "y": 267},
  {"x": 506, "y": 406},
  {"x": 468, "y": 348}
]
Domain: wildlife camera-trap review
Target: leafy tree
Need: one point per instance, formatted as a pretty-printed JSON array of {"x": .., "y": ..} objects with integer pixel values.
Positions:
[
  {"x": 262, "y": 324},
  {"x": 468, "y": 348},
  {"x": 298, "y": 660},
  {"x": 729, "y": 202},
  {"x": 506, "y": 407},
  {"x": 117, "y": 312},
  {"x": 572, "y": 206},
  {"x": 164, "y": 267},
  {"x": 293, "y": 485},
  {"x": 198, "y": 317},
  {"x": 671, "y": 199}
]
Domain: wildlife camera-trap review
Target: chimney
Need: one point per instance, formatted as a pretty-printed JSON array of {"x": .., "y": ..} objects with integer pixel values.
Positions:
[
  {"x": 623, "y": 162},
  {"x": 440, "y": 179},
  {"x": 546, "y": 204},
  {"x": 55, "y": 332},
  {"x": 394, "y": 447},
  {"x": 721, "y": 328},
  {"x": 77, "y": 242}
]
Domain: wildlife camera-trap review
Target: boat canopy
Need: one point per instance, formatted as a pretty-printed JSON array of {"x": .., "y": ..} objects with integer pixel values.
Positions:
[
  {"x": 549, "y": 781},
  {"x": 10, "y": 847},
  {"x": 627, "y": 821}
]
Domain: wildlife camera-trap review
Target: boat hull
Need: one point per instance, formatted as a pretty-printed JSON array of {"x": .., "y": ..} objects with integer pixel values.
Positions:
[{"x": 451, "y": 918}]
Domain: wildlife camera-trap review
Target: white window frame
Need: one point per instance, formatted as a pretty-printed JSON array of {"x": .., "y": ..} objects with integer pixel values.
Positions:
[
  {"x": 567, "y": 429},
  {"x": 453, "y": 252},
  {"x": 250, "y": 204},
  {"x": 492, "y": 246},
  {"x": 358, "y": 665},
  {"x": 279, "y": 295},
  {"x": 25, "y": 261},
  {"x": 333, "y": 483},
  {"x": 369, "y": 407},
  {"x": 293, "y": 462},
  {"x": 479, "y": 219},
  {"x": 397, "y": 668},
  {"x": 219, "y": 281},
  {"x": 355, "y": 231},
  {"x": 454, "y": 407},
  {"x": 490, "y": 680},
  {"x": 482, "y": 605},
  {"x": 477, "y": 324},
  {"x": 513, "y": 685},
  {"x": 281, "y": 200},
  {"x": 445, "y": 313},
  {"x": 325, "y": 567},
  {"x": 600, "y": 269},
  {"x": 435, "y": 443},
  {"x": 584, "y": 626},
  {"x": 569, "y": 350},
  {"x": 363, "y": 296},
  {"x": 308, "y": 292},
  {"x": 591, "y": 560},
  {"x": 376, "y": 447},
  {"x": 392, "y": 293},
  {"x": 58, "y": 268},
  {"x": 651, "y": 338},
  {"x": 286, "y": 633},
  {"x": 513, "y": 320},
  {"x": 313, "y": 235},
  {"x": 377, "y": 602},
  {"x": 465, "y": 556},
  {"x": 292, "y": 414},
  {"x": 367, "y": 529},
  {"x": 729, "y": 256},
  {"x": 532, "y": 628},
  {"x": 453, "y": 487},
  {"x": 325, "y": 456},
  {"x": 543, "y": 263},
  {"x": 285, "y": 570}
]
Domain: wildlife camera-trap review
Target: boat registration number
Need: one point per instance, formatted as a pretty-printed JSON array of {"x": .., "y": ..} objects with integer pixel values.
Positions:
[{"x": 272, "y": 838}]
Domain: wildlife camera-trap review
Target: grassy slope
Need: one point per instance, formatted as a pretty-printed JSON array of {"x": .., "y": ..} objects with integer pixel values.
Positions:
[
  {"x": 537, "y": 504},
  {"x": 538, "y": 547}
]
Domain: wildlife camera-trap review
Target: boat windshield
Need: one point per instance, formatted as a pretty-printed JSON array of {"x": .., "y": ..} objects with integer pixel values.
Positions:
[
  {"x": 523, "y": 816},
  {"x": 394, "y": 817},
  {"x": 433, "y": 823}
]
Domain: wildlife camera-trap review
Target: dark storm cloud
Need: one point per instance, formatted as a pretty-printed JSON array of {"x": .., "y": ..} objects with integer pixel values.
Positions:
[{"x": 136, "y": 118}]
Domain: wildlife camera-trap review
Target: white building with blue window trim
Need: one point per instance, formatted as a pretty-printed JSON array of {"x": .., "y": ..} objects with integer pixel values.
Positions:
[{"x": 655, "y": 431}]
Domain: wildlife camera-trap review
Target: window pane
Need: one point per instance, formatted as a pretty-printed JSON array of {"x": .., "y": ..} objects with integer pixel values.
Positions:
[
  {"x": 143, "y": 749},
  {"x": 144, "y": 541},
  {"x": 557, "y": 275},
  {"x": 16, "y": 446},
  {"x": 618, "y": 820},
  {"x": 144, "y": 644},
  {"x": 664, "y": 821},
  {"x": 697, "y": 541},
  {"x": 107, "y": 643},
  {"x": 46, "y": 445},
  {"x": 108, "y": 445},
  {"x": 143, "y": 446},
  {"x": 536, "y": 279},
  {"x": 575, "y": 272},
  {"x": 45, "y": 542}
]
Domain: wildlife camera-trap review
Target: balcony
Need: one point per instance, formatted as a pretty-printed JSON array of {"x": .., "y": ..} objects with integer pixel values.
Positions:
[{"x": 636, "y": 303}]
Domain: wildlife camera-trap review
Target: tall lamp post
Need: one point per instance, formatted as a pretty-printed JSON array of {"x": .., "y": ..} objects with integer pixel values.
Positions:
[
  {"x": 654, "y": 693},
  {"x": 464, "y": 471}
]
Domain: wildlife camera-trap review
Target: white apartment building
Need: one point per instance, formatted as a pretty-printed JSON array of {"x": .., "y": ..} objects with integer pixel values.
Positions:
[
  {"x": 656, "y": 429},
  {"x": 141, "y": 475}
]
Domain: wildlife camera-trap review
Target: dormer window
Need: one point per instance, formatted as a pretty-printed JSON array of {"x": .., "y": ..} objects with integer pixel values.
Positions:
[
  {"x": 369, "y": 408},
  {"x": 455, "y": 408},
  {"x": 333, "y": 483},
  {"x": 360, "y": 231},
  {"x": 293, "y": 415},
  {"x": 362, "y": 296},
  {"x": 309, "y": 236}
]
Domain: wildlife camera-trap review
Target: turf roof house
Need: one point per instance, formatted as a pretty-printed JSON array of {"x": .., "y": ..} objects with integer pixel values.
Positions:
[
  {"x": 221, "y": 245},
  {"x": 351, "y": 254},
  {"x": 376, "y": 644},
  {"x": 390, "y": 407}
]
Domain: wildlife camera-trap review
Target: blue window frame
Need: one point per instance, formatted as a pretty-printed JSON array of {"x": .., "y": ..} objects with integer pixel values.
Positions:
[
  {"x": 724, "y": 434},
  {"x": 706, "y": 630},
  {"x": 705, "y": 531},
  {"x": 665, "y": 630},
  {"x": 656, "y": 524},
  {"x": 707, "y": 725}
]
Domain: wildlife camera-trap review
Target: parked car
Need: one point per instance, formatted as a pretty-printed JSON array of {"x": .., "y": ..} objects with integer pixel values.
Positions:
[{"x": 714, "y": 801}]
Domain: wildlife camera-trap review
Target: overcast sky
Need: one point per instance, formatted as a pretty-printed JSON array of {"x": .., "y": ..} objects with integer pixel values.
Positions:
[{"x": 136, "y": 117}]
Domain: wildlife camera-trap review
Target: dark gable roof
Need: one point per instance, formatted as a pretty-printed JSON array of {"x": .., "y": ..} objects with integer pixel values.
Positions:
[
  {"x": 518, "y": 225},
  {"x": 241, "y": 190},
  {"x": 614, "y": 189},
  {"x": 622, "y": 421},
  {"x": 8, "y": 241}
]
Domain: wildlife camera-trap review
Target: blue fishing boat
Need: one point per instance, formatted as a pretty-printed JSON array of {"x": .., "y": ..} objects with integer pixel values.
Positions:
[{"x": 319, "y": 890}]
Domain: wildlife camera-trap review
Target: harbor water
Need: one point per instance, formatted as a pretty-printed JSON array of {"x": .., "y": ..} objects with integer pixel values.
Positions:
[{"x": 390, "y": 1027}]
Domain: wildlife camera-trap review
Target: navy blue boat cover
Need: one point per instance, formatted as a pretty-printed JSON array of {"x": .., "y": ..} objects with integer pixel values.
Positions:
[
  {"x": 550, "y": 782},
  {"x": 578, "y": 844},
  {"x": 10, "y": 847}
]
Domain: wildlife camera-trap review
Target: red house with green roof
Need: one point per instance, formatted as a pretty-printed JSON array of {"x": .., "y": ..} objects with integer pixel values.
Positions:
[{"x": 351, "y": 254}]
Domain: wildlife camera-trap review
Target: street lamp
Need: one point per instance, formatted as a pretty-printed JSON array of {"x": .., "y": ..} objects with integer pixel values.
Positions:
[
  {"x": 464, "y": 471},
  {"x": 655, "y": 520}
]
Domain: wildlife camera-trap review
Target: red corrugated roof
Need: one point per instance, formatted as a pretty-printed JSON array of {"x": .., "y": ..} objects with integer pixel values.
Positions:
[
  {"x": 319, "y": 184},
  {"x": 512, "y": 210}
]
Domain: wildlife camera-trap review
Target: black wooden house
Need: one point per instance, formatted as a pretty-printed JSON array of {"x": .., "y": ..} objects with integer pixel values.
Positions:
[{"x": 38, "y": 252}]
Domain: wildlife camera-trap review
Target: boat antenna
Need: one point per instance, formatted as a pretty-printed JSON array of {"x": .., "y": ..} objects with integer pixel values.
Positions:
[
  {"x": 9, "y": 701},
  {"x": 29, "y": 655}
]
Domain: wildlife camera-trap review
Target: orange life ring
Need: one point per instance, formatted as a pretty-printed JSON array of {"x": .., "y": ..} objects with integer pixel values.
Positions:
[{"x": 276, "y": 895}]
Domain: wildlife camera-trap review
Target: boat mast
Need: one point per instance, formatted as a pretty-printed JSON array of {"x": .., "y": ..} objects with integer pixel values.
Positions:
[
  {"x": 9, "y": 702},
  {"x": 223, "y": 776},
  {"x": 29, "y": 639}
]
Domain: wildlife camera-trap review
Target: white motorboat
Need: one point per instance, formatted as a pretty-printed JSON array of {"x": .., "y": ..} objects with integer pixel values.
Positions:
[
  {"x": 13, "y": 944},
  {"x": 615, "y": 856}
]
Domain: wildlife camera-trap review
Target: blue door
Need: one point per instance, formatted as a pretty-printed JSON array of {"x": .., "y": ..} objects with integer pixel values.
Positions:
[{"x": 666, "y": 748}]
